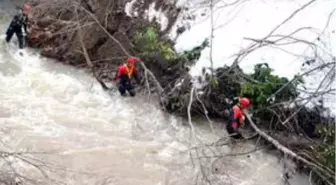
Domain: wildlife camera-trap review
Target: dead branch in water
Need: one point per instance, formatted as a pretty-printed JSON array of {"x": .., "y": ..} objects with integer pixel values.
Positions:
[
  {"x": 86, "y": 55},
  {"x": 273, "y": 39},
  {"x": 327, "y": 172},
  {"x": 13, "y": 174},
  {"x": 73, "y": 26},
  {"x": 193, "y": 92}
]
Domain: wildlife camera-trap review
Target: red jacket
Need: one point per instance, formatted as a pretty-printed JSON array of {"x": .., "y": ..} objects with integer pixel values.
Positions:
[
  {"x": 237, "y": 117},
  {"x": 125, "y": 70}
]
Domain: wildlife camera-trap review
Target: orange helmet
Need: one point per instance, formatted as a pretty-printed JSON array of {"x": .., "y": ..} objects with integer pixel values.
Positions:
[
  {"x": 132, "y": 60},
  {"x": 27, "y": 7},
  {"x": 244, "y": 102}
]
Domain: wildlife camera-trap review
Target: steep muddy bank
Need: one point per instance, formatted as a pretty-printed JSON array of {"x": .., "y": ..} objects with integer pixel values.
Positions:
[
  {"x": 56, "y": 31},
  {"x": 88, "y": 26},
  {"x": 57, "y": 118}
]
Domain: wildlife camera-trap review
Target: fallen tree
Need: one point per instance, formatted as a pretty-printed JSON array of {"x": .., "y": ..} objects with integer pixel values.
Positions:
[
  {"x": 69, "y": 27},
  {"x": 325, "y": 173},
  {"x": 99, "y": 35}
]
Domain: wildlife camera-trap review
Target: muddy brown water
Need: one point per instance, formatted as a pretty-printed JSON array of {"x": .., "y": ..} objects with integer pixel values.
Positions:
[{"x": 93, "y": 137}]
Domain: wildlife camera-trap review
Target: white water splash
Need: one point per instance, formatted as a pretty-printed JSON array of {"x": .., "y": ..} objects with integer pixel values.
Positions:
[{"x": 49, "y": 107}]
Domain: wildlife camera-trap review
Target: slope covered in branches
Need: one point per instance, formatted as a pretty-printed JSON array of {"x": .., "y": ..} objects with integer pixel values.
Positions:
[{"x": 99, "y": 35}]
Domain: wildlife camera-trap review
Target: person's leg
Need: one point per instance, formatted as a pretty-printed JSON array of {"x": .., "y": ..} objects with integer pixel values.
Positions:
[
  {"x": 233, "y": 132},
  {"x": 122, "y": 89},
  {"x": 19, "y": 36},
  {"x": 9, "y": 33},
  {"x": 130, "y": 89},
  {"x": 131, "y": 92},
  {"x": 238, "y": 135}
]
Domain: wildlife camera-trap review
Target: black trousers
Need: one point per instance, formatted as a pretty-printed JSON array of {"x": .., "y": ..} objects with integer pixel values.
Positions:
[
  {"x": 17, "y": 30},
  {"x": 234, "y": 133},
  {"x": 126, "y": 85}
]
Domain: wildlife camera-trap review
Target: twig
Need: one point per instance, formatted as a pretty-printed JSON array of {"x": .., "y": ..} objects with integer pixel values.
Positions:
[
  {"x": 205, "y": 111},
  {"x": 189, "y": 113},
  {"x": 158, "y": 85},
  {"x": 86, "y": 55},
  {"x": 285, "y": 150},
  {"x": 211, "y": 37}
]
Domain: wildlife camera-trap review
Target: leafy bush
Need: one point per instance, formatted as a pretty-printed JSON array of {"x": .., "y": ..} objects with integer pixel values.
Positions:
[
  {"x": 326, "y": 151},
  {"x": 191, "y": 56},
  {"x": 264, "y": 84},
  {"x": 149, "y": 42}
]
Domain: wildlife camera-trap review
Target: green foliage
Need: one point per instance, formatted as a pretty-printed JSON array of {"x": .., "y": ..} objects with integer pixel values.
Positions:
[
  {"x": 213, "y": 80},
  {"x": 327, "y": 132},
  {"x": 327, "y": 156},
  {"x": 264, "y": 84},
  {"x": 149, "y": 42},
  {"x": 190, "y": 57},
  {"x": 326, "y": 152}
]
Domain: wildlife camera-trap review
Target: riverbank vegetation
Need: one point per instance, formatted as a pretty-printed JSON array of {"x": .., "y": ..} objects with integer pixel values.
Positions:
[{"x": 99, "y": 35}]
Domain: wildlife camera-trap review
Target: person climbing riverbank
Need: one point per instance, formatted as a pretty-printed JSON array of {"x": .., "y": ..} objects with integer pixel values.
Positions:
[
  {"x": 125, "y": 74},
  {"x": 18, "y": 26},
  {"x": 237, "y": 117}
]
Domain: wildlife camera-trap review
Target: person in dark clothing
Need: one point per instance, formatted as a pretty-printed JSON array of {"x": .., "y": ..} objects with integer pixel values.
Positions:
[
  {"x": 237, "y": 118},
  {"x": 124, "y": 76},
  {"x": 18, "y": 22}
]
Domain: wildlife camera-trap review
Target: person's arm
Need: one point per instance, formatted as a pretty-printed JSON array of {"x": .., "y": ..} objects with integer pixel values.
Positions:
[
  {"x": 236, "y": 116},
  {"x": 25, "y": 24},
  {"x": 242, "y": 120},
  {"x": 244, "y": 113}
]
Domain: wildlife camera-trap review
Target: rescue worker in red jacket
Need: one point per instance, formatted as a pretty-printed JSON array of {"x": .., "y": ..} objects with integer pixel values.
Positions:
[
  {"x": 237, "y": 118},
  {"x": 125, "y": 74}
]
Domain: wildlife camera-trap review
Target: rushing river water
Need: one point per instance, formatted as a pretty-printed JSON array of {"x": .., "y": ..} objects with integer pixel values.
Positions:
[{"x": 89, "y": 135}]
